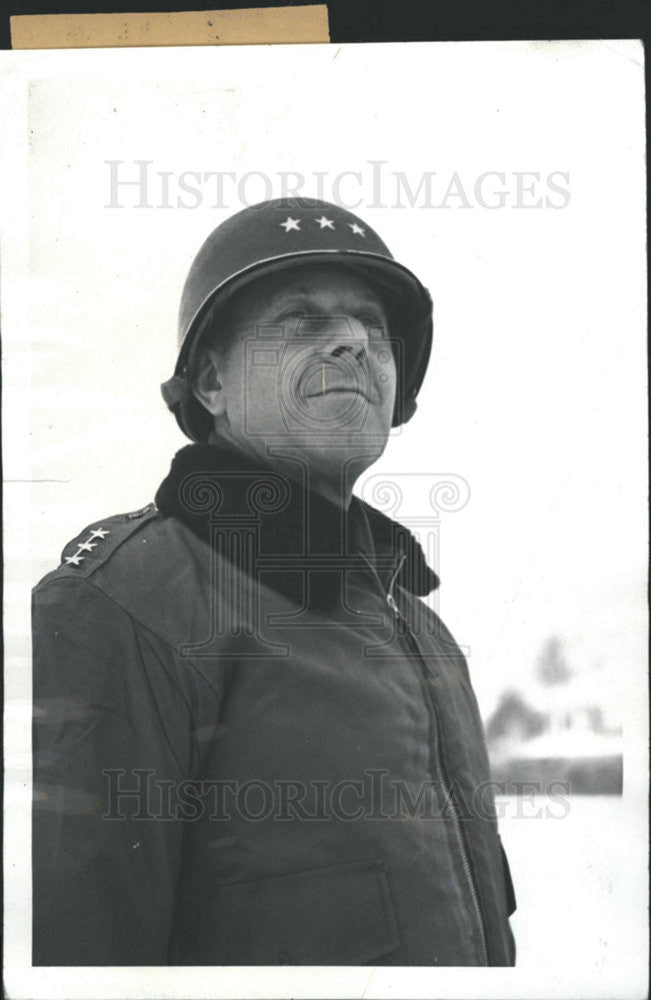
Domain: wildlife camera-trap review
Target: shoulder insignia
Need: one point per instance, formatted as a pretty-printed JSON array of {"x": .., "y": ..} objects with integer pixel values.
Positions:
[
  {"x": 96, "y": 542},
  {"x": 140, "y": 513}
]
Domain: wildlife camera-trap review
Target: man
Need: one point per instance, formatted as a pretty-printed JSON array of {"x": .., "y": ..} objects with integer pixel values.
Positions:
[{"x": 254, "y": 743}]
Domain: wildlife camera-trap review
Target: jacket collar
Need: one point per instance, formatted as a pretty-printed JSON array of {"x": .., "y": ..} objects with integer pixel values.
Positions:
[{"x": 208, "y": 485}]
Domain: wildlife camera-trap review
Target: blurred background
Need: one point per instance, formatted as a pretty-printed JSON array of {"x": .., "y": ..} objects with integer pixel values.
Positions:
[{"x": 559, "y": 726}]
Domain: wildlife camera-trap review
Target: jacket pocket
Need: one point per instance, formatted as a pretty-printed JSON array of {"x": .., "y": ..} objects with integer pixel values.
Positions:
[{"x": 328, "y": 916}]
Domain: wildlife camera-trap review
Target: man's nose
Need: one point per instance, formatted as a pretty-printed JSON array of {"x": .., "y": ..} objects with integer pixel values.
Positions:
[
  {"x": 358, "y": 351},
  {"x": 338, "y": 336},
  {"x": 335, "y": 354}
]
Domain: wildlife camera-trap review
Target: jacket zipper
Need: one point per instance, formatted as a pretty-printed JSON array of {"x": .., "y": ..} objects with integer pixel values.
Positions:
[{"x": 447, "y": 795}]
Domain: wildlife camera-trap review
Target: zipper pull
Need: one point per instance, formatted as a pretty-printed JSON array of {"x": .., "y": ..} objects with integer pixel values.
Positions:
[
  {"x": 392, "y": 604},
  {"x": 390, "y": 598}
]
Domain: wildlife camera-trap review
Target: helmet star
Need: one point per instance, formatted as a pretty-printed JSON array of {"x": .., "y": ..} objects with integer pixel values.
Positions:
[
  {"x": 74, "y": 560},
  {"x": 357, "y": 229},
  {"x": 325, "y": 223},
  {"x": 290, "y": 223}
]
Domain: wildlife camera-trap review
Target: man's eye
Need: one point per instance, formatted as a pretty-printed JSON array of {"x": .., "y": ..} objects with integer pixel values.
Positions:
[
  {"x": 290, "y": 320},
  {"x": 371, "y": 319},
  {"x": 292, "y": 317},
  {"x": 378, "y": 331}
]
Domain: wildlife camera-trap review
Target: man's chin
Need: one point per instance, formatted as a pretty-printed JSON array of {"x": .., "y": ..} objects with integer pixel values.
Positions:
[{"x": 343, "y": 448}]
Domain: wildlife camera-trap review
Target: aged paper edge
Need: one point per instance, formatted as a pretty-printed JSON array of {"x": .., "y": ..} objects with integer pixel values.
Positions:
[{"x": 251, "y": 26}]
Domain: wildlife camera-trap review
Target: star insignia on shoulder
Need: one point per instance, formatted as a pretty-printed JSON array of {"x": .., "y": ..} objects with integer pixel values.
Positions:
[
  {"x": 290, "y": 223},
  {"x": 357, "y": 230},
  {"x": 87, "y": 546},
  {"x": 325, "y": 223},
  {"x": 99, "y": 533}
]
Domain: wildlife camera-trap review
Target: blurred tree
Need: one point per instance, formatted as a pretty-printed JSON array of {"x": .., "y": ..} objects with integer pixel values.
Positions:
[
  {"x": 514, "y": 718},
  {"x": 552, "y": 665}
]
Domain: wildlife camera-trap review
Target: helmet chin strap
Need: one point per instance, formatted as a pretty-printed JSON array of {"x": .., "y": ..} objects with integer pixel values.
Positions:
[
  {"x": 409, "y": 407},
  {"x": 404, "y": 411},
  {"x": 175, "y": 391}
]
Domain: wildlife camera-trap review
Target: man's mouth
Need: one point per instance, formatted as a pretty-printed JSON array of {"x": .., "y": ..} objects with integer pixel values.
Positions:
[
  {"x": 347, "y": 389},
  {"x": 326, "y": 379}
]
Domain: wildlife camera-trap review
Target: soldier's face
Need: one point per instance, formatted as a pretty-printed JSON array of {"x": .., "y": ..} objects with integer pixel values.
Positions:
[{"x": 310, "y": 368}]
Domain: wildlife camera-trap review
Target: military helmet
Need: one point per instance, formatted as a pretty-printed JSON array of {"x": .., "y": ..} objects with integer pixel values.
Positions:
[{"x": 282, "y": 234}]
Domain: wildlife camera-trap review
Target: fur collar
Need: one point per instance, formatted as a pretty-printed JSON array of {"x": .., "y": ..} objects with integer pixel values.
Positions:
[{"x": 208, "y": 484}]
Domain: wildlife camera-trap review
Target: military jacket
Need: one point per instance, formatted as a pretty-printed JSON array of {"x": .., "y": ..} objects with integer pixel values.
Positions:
[{"x": 255, "y": 743}]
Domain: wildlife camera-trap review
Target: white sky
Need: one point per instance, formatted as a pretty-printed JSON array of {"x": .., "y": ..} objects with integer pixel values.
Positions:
[{"x": 536, "y": 394}]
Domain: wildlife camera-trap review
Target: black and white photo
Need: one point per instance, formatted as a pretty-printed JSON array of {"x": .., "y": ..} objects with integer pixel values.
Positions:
[{"x": 325, "y": 532}]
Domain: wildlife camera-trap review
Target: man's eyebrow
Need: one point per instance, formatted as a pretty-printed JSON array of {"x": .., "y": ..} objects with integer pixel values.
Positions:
[
  {"x": 372, "y": 305},
  {"x": 297, "y": 297},
  {"x": 304, "y": 297}
]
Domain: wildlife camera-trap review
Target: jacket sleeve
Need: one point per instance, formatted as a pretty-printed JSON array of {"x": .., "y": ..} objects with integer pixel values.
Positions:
[{"x": 111, "y": 734}]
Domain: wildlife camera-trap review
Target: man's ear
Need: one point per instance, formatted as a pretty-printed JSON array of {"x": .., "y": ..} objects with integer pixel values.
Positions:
[{"x": 207, "y": 386}]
